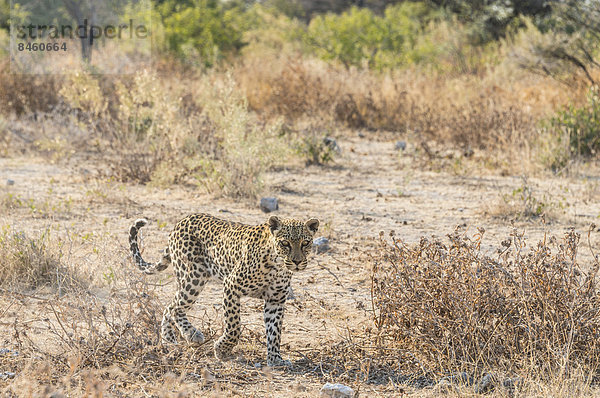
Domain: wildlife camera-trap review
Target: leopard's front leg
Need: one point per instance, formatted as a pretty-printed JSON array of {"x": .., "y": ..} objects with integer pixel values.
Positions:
[
  {"x": 231, "y": 335},
  {"x": 273, "y": 320},
  {"x": 273, "y": 314}
]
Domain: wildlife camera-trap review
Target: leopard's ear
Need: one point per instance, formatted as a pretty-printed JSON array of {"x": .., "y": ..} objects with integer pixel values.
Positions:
[
  {"x": 312, "y": 225},
  {"x": 274, "y": 224}
]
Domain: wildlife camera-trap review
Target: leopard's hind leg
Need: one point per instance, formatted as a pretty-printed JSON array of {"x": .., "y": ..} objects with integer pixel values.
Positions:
[{"x": 190, "y": 283}]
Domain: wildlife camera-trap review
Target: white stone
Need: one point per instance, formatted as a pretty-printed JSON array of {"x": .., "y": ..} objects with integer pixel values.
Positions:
[
  {"x": 321, "y": 244},
  {"x": 336, "y": 391},
  {"x": 269, "y": 204}
]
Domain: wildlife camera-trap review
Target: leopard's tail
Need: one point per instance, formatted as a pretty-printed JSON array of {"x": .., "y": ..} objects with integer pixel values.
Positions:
[{"x": 148, "y": 268}]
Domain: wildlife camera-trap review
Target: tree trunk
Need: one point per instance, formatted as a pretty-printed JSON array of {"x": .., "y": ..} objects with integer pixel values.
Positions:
[{"x": 85, "y": 18}]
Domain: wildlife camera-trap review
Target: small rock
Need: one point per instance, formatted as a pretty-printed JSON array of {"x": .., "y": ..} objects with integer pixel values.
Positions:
[
  {"x": 7, "y": 351},
  {"x": 360, "y": 135},
  {"x": 291, "y": 295},
  {"x": 321, "y": 244},
  {"x": 332, "y": 144},
  {"x": 10, "y": 182},
  {"x": 269, "y": 204},
  {"x": 400, "y": 145},
  {"x": 336, "y": 391},
  {"x": 443, "y": 386},
  {"x": 486, "y": 384},
  {"x": 454, "y": 380},
  {"x": 7, "y": 375},
  {"x": 511, "y": 383}
]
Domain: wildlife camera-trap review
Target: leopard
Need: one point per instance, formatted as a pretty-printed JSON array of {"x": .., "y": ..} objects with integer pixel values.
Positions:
[{"x": 256, "y": 261}]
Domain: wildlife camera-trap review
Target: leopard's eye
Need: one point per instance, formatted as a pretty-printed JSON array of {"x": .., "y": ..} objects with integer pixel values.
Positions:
[
  {"x": 305, "y": 243},
  {"x": 285, "y": 244}
]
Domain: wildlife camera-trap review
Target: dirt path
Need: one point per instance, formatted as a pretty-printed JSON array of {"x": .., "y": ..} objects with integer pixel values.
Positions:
[{"x": 368, "y": 190}]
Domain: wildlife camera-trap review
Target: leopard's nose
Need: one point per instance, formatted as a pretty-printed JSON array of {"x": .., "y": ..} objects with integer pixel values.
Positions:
[{"x": 297, "y": 262}]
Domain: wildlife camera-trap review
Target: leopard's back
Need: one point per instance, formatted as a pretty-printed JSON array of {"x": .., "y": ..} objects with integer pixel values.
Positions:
[{"x": 216, "y": 245}]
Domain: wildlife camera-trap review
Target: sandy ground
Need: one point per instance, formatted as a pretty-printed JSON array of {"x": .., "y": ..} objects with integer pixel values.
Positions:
[{"x": 371, "y": 187}]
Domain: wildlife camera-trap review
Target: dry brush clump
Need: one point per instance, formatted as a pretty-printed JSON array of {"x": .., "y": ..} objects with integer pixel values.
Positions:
[
  {"x": 109, "y": 344},
  {"x": 296, "y": 88},
  {"x": 494, "y": 112},
  {"x": 447, "y": 306},
  {"x": 162, "y": 127},
  {"x": 24, "y": 93},
  {"x": 28, "y": 263}
]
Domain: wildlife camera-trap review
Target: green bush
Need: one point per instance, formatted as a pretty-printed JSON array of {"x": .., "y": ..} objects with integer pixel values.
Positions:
[
  {"x": 358, "y": 36},
  {"x": 581, "y": 125},
  {"x": 202, "y": 29}
]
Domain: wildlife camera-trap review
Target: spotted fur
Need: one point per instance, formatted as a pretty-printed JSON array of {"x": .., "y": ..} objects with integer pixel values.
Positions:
[{"x": 244, "y": 258}]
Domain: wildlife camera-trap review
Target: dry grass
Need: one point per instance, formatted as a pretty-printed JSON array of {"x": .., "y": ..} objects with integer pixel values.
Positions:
[
  {"x": 447, "y": 307},
  {"x": 497, "y": 112},
  {"x": 528, "y": 202},
  {"x": 165, "y": 127},
  {"x": 98, "y": 346},
  {"x": 24, "y": 93},
  {"x": 179, "y": 126},
  {"x": 446, "y": 316},
  {"x": 32, "y": 263},
  {"x": 434, "y": 303}
]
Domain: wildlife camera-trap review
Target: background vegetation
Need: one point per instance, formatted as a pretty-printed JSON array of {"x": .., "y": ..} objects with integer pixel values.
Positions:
[{"x": 508, "y": 80}]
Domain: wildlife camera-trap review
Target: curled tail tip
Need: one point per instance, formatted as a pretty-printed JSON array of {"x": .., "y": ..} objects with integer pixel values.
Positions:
[{"x": 140, "y": 222}]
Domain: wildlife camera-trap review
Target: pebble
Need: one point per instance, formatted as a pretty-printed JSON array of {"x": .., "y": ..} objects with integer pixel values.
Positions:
[
  {"x": 400, "y": 145},
  {"x": 7, "y": 375},
  {"x": 332, "y": 144},
  {"x": 321, "y": 244},
  {"x": 336, "y": 391},
  {"x": 291, "y": 295},
  {"x": 486, "y": 384},
  {"x": 10, "y": 182},
  {"x": 269, "y": 204},
  {"x": 8, "y": 351}
]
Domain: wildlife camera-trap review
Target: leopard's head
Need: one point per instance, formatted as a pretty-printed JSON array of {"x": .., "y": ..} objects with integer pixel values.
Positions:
[{"x": 293, "y": 240}]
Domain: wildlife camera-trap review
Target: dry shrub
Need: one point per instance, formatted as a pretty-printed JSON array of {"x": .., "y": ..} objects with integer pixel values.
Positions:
[
  {"x": 298, "y": 87},
  {"x": 449, "y": 307},
  {"x": 528, "y": 202},
  {"x": 247, "y": 146},
  {"x": 498, "y": 110},
  {"x": 399, "y": 101},
  {"x": 159, "y": 129},
  {"x": 133, "y": 122},
  {"x": 22, "y": 93},
  {"x": 291, "y": 87},
  {"x": 169, "y": 126},
  {"x": 479, "y": 124},
  {"x": 29, "y": 263},
  {"x": 87, "y": 337}
]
